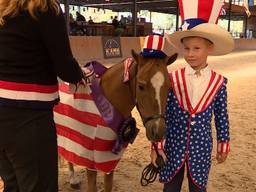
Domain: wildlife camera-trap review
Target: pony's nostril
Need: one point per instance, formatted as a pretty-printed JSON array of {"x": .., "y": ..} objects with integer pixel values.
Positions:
[{"x": 153, "y": 133}]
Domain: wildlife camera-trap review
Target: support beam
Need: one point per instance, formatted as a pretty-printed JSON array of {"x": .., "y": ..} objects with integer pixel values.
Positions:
[
  {"x": 245, "y": 26},
  {"x": 134, "y": 16},
  {"x": 177, "y": 16},
  {"x": 118, "y": 3},
  {"x": 229, "y": 14},
  {"x": 67, "y": 14}
]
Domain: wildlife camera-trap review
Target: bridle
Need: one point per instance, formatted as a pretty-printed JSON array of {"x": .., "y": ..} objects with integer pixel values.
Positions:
[{"x": 145, "y": 120}]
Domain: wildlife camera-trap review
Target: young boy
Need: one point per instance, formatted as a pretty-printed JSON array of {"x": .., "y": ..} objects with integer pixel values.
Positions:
[{"x": 197, "y": 93}]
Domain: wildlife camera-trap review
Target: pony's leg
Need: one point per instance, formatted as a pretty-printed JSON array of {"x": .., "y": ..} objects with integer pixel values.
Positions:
[
  {"x": 108, "y": 181},
  {"x": 61, "y": 161},
  {"x": 74, "y": 180},
  {"x": 91, "y": 178}
]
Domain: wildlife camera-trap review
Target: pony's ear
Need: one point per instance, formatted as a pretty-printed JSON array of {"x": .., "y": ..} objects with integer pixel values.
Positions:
[
  {"x": 133, "y": 69},
  {"x": 135, "y": 55},
  {"x": 171, "y": 59}
]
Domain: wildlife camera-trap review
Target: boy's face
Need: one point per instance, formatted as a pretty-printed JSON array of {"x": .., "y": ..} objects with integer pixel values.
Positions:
[{"x": 196, "y": 51}]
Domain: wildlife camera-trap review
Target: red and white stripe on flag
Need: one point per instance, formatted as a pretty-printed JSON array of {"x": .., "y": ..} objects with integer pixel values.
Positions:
[
  {"x": 83, "y": 137},
  {"x": 155, "y": 42},
  {"x": 208, "y": 10},
  {"x": 223, "y": 11}
]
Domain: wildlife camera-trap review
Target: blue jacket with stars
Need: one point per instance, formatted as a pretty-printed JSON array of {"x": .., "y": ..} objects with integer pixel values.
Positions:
[{"x": 189, "y": 133}]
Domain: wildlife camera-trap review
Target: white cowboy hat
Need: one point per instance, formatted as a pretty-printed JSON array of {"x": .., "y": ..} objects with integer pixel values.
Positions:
[
  {"x": 200, "y": 19},
  {"x": 222, "y": 40}
]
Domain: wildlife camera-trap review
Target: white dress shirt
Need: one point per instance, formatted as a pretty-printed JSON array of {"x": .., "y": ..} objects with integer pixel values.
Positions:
[{"x": 196, "y": 84}]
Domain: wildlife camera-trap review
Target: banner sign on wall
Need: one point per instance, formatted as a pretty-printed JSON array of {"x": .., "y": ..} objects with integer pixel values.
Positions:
[{"x": 111, "y": 47}]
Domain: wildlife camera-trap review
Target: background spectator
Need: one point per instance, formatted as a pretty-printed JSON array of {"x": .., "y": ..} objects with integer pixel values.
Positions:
[
  {"x": 115, "y": 22},
  {"x": 79, "y": 17},
  {"x": 90, "y": 20}
]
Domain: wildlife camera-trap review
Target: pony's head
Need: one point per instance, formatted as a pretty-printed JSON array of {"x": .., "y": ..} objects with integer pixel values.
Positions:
[{"x": 151, "y": 88}]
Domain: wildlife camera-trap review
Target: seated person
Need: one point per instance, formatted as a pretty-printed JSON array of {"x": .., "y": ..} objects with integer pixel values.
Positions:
[
  {"x": 79, "y": 17},
  {"x": 115, "y": 22},
  {"x": 90, "y": 20}
]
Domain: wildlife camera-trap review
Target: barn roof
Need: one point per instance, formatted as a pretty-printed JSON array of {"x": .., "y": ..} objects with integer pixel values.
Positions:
[{"x": 163, "y": 6}]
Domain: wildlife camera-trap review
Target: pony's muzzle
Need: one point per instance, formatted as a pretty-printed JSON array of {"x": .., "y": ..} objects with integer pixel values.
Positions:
[{"x": 155, "y": 129}]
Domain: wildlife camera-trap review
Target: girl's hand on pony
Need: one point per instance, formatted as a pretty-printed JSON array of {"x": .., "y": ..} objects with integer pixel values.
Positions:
[
  {"x": 153, "y": 156},
  {"x": 82, "y": 82},
  {"x": 221, "y": 157}
]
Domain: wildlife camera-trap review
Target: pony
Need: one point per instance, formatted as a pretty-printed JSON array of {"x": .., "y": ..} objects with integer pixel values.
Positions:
[{"x": 146, "y": 87}]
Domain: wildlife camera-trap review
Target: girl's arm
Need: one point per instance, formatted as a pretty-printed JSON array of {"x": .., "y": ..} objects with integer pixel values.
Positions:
[{"x": 55, "y": 39}]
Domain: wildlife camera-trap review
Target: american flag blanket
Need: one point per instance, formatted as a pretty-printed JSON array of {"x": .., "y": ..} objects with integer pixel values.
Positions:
[{"x": 83, "y": 136}]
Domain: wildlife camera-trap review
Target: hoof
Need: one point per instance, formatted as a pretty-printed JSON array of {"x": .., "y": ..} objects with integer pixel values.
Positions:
[{"x": 75, "y": 186}]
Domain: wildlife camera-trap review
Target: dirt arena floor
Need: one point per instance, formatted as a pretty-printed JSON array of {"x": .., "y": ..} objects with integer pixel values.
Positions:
[{"x": 238, "y": 173}]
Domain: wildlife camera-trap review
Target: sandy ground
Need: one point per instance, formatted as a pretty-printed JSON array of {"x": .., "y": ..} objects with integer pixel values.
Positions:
[{"x": 238, "y": 173}]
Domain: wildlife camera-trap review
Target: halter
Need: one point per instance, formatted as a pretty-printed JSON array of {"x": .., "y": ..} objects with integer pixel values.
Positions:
[{"x": 147, "y": 119}]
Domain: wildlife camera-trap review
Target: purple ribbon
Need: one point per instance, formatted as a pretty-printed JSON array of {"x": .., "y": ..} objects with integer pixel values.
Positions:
[
  {"x": 110, "y": 115},
  {"x": 113, "y": 118}
]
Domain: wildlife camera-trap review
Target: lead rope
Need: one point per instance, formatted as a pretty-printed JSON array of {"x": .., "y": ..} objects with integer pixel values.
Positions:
[{"x": 150, "y": 172}]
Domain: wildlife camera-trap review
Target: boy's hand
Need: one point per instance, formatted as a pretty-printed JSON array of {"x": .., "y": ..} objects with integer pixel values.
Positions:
[
  {"x": 153, "y": 156},
  {"x": 221, "y": 157}
]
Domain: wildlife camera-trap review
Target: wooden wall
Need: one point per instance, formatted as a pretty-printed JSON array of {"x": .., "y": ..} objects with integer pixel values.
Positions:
[{"x": 86, "y": 49}]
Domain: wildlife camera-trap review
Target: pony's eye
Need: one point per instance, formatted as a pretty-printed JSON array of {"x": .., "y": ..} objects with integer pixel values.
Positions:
[{"x": 141, "y": 87}]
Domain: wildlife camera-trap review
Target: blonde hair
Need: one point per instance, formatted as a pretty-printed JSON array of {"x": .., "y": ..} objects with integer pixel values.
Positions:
[
  {"x": 209, "y": 42},
  {"x": 12, "y": 8}
]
